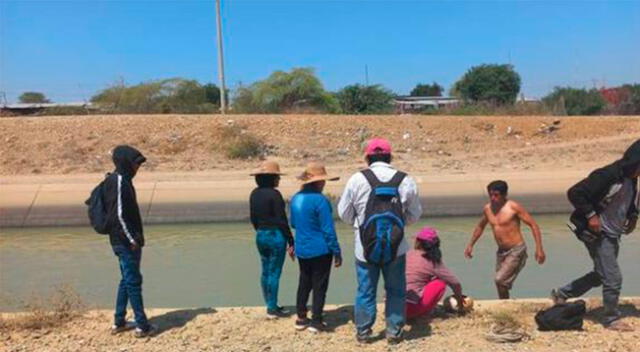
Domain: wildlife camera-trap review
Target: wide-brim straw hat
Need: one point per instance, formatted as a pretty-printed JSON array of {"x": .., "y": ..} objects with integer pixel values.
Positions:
[
  {"x": 268, "y": 167},
  {"x": 315, "y": 172}
]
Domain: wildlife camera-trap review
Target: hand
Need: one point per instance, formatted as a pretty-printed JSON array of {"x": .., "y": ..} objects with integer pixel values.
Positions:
[
  {"x": 594, "y": 223},
  {"x": 468, "y": 252},
  {"x": 540, "y": 256},
  {"x": 292, "y": 253},
  {"x": 460, "y": 300},
  {"x": 134, "y": 246},
  {"x": 337, "y": 261},
  {"x": 630, "y": 226}
]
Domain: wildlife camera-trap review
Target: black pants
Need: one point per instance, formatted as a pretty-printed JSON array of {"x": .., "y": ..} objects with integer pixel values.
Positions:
[{"x": 314, "y": 275}]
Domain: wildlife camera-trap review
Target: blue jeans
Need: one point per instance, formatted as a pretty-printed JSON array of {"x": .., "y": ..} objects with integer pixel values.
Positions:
[
  {"x": 272, "y": 247},
  {"x": 395, "y": 287},
  {"x": 130, "y": 288}
]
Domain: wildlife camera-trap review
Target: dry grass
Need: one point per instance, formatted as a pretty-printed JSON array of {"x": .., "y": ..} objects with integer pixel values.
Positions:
[{"x": 62, "y": 306}]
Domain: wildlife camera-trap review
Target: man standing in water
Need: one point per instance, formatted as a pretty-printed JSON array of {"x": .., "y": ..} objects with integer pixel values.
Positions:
[
  {"x": 505, "y": 215},
  {"x": 606, "y": 206}
]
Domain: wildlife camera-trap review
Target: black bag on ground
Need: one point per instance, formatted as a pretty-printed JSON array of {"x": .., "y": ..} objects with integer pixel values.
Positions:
[
  {"x": 564, "y": 316},
  {"x": 97, "y": 211}
]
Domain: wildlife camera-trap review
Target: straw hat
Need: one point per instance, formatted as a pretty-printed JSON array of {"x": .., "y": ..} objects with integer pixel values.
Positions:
[
  {"x": 315, "y": 172},
  {"x": 267, "y": 167}
]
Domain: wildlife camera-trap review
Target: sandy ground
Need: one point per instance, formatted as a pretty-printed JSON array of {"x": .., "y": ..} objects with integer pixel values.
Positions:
[
  {"x": 246, "y": 329},
  {"x": 184, "y": 143}
]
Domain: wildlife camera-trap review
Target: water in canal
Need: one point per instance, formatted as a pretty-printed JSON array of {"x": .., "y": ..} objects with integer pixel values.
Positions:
[{"x": 217, "y": 265}]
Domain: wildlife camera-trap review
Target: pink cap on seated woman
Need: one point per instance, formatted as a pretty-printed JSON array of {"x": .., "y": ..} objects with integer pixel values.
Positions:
[{"x": 428, "y": 234}]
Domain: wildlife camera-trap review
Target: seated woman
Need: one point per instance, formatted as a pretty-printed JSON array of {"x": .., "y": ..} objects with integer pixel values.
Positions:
[{"x": 427, "y": 276}]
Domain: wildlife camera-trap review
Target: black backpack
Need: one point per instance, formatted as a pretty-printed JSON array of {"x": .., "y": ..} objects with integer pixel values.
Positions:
[
  {"x": 97, "y": 211},
  {"x": 383, "y": 228},
  {"x": 563, "y": 316}
]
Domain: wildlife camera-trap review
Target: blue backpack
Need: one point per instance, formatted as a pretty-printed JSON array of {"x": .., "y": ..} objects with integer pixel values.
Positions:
[
  {"x": 97, "y": 211},
  {"x": 383, "y": 228}
]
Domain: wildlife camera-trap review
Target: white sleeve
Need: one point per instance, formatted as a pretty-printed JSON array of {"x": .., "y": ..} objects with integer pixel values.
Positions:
[
  {"x": 410, "y": 200},
  {"x": 122, "y": 222},
  {"x": 346, "y": 209}
]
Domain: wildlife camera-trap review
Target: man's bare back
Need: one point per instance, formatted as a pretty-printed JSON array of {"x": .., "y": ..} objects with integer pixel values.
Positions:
[{"x": 505, "y": 223}]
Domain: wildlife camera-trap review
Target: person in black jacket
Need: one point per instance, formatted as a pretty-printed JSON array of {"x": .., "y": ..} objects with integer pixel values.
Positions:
[
  {"x": 273, "y": 234},
  {"x": 606, "y": 206},
  {"x": 126, "y": 237}
]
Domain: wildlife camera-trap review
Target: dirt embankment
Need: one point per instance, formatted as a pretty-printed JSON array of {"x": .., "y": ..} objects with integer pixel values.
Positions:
[
  {"x": 246, "y": 329},
  {"x": 81, "y": 144}
]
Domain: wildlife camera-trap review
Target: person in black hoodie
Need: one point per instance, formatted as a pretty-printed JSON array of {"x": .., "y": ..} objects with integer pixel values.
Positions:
[
  {"x": 273, "y": 234},
  {"x": 126, "y": 236},
  {"x": 606, "y": 206}
]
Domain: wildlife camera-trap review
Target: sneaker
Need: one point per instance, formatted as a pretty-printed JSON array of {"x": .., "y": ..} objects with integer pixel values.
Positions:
[
  {"x": 302, "y": 323},
  {"x": 150, "y": 331},
  {"x": 283, "y": 310},
  {"x": 116, "y": 329},
  {"x": 394, "y": 339},
  {"x": 317, "y": 326},
  {"x": 620, "y": 326},
  {"x": 277, "y": 313},
  {"x": 365, "y": 336},
  {"x": 557, "y": 297}
]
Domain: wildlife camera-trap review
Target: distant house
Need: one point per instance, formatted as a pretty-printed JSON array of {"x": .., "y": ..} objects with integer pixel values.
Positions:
[
  {"x": 410, "y": 104},
  {"x": 34, "y": 108}
]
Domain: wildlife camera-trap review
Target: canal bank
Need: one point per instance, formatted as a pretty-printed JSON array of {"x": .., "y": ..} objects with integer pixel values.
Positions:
[{"x": 220, "y": 196}]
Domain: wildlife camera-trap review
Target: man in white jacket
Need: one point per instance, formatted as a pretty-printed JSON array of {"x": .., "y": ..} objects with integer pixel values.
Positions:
[{"x": 352, "y": 209}]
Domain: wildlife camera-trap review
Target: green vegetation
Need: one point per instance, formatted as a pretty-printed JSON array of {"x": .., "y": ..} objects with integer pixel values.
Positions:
[
  {"x": 359, "y": 99},
  {"x": 284, "y": 92},
  {"x": 575, "y": 101},
  {"x": 493, "y": 84},
  {"x": 239, "y": 144},
  {"x": 427, "y": 90},
  {"x": 175, "y": 95},
  {"x": 33, "y": 98}
]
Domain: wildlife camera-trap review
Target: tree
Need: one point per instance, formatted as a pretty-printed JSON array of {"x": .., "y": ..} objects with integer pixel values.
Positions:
[
  {"x": 494, "y": 84},
  {"x": 427, "y": 90},
  {"x": 174, "y": 95},
  {"x": 575, "y": 101},
  {"x": 297, "y": 90},
  {"x": 359, "y": 99},
  {"x": 33, "y": 98}
]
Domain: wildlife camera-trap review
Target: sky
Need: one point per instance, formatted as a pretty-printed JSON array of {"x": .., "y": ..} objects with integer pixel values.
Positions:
[{"x": 70, "y": 50}]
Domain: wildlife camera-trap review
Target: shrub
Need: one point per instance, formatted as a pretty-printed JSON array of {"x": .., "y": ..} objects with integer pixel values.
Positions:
[
  {"x": 494, "y": 84},
  {"x": 33, "y": 97},
  {"x": 62, "y": 306},
  {"x": 175, "y": 95},
  {"x": 297, "y": 90},
  {"x": 575, "y": 101},
  {"x": 359, "y": 99},
  {"x": 427, "y": 90},
  {"x": 240, "y": 144}
]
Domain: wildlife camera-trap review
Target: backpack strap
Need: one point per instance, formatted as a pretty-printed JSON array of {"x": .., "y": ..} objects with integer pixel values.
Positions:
[
  {"x": 371, "y": 178},
  {"x": 397, "y": 179}
]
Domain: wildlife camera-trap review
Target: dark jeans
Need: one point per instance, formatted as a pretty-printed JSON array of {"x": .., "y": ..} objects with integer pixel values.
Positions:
[
  {"x": 272, "y": 248},
  {"x": 130, "y": 288},
  {"x": 314, "y": 275},
  {"x": 606, "y": 272}
]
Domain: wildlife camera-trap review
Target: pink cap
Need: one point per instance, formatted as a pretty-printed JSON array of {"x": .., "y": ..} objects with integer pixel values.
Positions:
[
  {"x": 378, "y": 146},
  {"x": 427, "y": 234}
]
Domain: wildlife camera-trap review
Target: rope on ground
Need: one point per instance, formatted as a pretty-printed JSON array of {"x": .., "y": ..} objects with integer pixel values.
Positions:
[{"x": 506, "y": 334}]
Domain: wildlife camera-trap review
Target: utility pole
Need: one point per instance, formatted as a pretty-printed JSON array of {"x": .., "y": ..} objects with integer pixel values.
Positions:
[
  {"x": 223, "y": 89},
  {"x": 366, "y": 75}
]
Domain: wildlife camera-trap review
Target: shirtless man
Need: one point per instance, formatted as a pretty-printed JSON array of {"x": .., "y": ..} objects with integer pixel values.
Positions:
[{"x": 504, "y": 215}]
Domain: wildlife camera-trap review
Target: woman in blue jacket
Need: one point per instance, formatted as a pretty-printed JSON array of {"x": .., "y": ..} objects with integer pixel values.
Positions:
[{"x": 316, "y": 245}]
